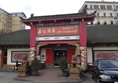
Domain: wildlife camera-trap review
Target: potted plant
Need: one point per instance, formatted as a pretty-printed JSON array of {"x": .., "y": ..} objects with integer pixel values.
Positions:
[
  {"x": 35, "y": 66},
  {"x": 63, "y": 64}
]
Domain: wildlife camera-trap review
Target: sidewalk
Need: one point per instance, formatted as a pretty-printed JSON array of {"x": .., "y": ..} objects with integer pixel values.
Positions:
[{"x": 49, "y": 75}]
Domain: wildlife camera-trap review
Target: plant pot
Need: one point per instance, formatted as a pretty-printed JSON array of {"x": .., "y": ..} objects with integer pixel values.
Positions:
[
  {"x": 34, "y": 73},
  {"x": 65, "y": 73}
]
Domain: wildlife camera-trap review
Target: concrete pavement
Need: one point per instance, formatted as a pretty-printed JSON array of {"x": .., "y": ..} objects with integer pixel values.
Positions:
[
  {"x": 49, "y": 75},
  {"x": 10, "y": 77}
]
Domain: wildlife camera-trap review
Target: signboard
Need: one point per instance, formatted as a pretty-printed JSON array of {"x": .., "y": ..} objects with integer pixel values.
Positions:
[
  {"x": 57, "y": 38},
  {"x": 106, "y": 55},
  {"x": 17, "y": 55},
  {"x": 58, "y": 30}
]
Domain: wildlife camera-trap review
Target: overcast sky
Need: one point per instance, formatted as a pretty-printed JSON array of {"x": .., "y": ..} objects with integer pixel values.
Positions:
[{"x": 43, "y": 7}]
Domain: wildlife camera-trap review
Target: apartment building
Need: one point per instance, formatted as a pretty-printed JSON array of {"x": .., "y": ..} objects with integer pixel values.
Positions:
[
  {"x": 10, "y": 22},
  {"x": 107, "y": 12}
]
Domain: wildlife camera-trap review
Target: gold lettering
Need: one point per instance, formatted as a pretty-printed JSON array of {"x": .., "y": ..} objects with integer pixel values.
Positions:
[
  {"x": 49, "y": 31},
  {"x": 53, "y": 30},
  {"x": 39, "y": 31}
]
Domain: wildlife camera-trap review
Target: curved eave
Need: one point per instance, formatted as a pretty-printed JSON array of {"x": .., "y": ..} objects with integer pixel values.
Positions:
[{"x": 85, "y": 18}]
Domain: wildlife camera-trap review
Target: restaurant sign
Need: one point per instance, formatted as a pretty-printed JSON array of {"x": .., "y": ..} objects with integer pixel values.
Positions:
[{"x": 58, "y": 30}]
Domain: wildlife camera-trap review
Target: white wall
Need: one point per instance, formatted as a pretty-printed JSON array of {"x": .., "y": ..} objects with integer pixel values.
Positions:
[
  {"x": 9, "y": 51},
  {"x": 89, "y": 51},
  {"x": 89, "y": 55},
  {"x": 43, "y": 52}
]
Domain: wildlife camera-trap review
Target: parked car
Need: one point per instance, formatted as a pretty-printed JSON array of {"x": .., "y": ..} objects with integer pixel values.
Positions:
[{"x": 105, "y": 71}]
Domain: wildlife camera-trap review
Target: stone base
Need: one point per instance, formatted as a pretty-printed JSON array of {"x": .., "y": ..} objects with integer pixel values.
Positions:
[
  {"x": 74, "y": 76},
  {"x": 74, "y": 73},
  {"x": 22, "y": 71}
]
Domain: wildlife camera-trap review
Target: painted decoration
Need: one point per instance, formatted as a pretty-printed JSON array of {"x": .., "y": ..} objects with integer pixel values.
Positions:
[
  {"x": 106, "y": 55},
  {"x": 17, "y": 55}
]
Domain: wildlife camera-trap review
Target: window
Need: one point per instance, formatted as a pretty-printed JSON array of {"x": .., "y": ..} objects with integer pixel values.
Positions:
[
  {"x": 114, "y": 7},
  {"x": 109, "y": 7},
  {"x": 10, "y": 18},
  {"x": 96, "y": 7},
  {"x": 91, "y": 7},
  {"x": 117, "y": 14},
  {"x": 110, "y": 14},
  {"x": 102, "y": 7},
  {"x": 97, "y": 14},
  {"x": 117, "y": 7},
  {"x": 104, "y": 14},
  {"x": 98, "y": 23},
  {"x": 111, "y": 22},
  {"x": 105, "y": 23}
]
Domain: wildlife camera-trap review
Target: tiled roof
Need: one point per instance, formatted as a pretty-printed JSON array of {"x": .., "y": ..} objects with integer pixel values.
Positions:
[
  {"x": 58, "y": 16},
  {"x": 106, "y": 2},
  {"x": 21, "y": 37},
  {"x": 103, "y": 34}
]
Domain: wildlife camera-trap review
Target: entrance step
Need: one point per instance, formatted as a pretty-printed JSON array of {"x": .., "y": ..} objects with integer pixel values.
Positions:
[
  {"x": 7, "y": 68},
  {"x": 49, "y": 65}
]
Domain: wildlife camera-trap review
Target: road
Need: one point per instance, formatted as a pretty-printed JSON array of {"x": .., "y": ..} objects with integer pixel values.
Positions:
[
  {"x": 87, "y": 78},
  {"x": 9, "y": 77}
]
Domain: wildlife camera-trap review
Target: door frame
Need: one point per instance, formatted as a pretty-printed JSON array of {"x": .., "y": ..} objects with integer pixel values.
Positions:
[{"x": 54, "y": 56}]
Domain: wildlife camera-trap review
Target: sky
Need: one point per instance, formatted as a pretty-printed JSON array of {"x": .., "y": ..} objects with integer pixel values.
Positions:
[{"x": 43, "y": 7}]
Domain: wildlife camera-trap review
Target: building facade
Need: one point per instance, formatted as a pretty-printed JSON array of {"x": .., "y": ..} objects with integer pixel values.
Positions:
[
  {"x": 107, "y": 12},
  {"x": 59, "y": 36},
  {"x": 10, "y": 22},
  {"x": 101, "y": 43}
]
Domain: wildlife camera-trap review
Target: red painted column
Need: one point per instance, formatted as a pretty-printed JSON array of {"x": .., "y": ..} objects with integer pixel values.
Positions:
[
  {"x": 83, "y": 44},
  {"x": 32, "y": 36},
  {"x": 83, "y": 38},
  {"x": 32, "y": 41}
]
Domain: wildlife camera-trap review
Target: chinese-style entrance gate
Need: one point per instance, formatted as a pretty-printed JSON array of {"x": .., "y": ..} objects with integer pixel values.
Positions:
[{"x": 58, "y": 36}]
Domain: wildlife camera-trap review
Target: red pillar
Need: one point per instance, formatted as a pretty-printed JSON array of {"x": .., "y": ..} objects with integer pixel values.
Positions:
[
  {"x": 83, "y": 38},
  {"x": 33, "y": 38},
  {"x": 83, "y": 44}
]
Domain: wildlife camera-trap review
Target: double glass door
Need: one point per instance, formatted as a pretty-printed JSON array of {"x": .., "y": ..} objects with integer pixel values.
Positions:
[{"x": 59, "y": 54}]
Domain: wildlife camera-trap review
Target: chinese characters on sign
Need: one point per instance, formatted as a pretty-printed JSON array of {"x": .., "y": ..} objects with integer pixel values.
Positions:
[{"x": 58, "y": 30}]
